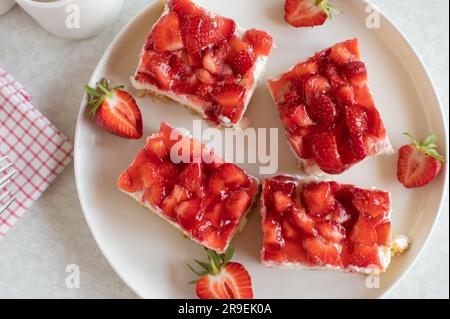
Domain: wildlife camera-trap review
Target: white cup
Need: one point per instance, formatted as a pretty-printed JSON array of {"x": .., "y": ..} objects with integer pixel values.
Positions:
[
  {"x": 73, "y": 19},
  {"x": 5, "y": 5}
]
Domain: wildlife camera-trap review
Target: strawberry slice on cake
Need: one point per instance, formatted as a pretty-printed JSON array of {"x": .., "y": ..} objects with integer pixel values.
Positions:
[
  {"x": 309, "y": 224},
  {"x": 203, "y": 61},
  {"x": 198, "y": 193},
  {"x": 328, "y": 112}
]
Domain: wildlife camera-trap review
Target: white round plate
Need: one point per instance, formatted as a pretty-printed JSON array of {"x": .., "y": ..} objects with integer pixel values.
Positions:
[{"x": 151, "y": 256}]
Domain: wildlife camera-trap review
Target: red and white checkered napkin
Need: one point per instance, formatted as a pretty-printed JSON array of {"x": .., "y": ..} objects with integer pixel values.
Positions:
[{"x": 37, "y": 149}]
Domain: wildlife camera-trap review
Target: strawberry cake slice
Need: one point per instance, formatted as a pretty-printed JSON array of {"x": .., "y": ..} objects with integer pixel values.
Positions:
[
  {"x": 328, "y": 111},
  {"x": 198, "y": 193},
  {"x": 203, "y": 61},
  {"x": 309, "y": 224}
]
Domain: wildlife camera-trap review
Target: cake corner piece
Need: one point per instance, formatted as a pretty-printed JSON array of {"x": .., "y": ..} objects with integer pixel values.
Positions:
[
  {"x": 328, "y": 111},
  {"x": 323, "y": 225},
  {"x": 213, "y": 76},
  {"x": 204, "y": 197}
]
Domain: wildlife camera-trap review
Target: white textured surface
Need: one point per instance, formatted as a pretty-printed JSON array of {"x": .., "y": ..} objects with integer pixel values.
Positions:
[{"x": 53, "y": 234}]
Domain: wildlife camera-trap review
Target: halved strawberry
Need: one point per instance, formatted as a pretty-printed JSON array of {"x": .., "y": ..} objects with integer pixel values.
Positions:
[
  {"x": 318, "y": 199},
  {"x": 332, "y": 72},
  {"x": 130, "y": 181},
  {"x": 177, "y": 195},
  {"x": 226, "y": 27},
  {"x": 419, "y": 163},
  {"x": 149, "y": 174},
  {"x": 157, "y": 147},
  {"x": 331, "y": 231},
  {"x": 273, "y": 233},
  {"x": 237, "y": 204},
  {"x": 356, "y": 120},
  {"x": 316, "y": 86},
  {"x": 326, "y": 153},
  {"x": 214, "y": 58},
  {"x": 303, "y": 221},
  {"x": 166, "y": 34},
  {"x": 365, "y": 256},
  {"x": 185, "y": 7},
  {"x": 231, "y": 98},
  {"x": 155, "y": 194},
  {"x": 300, "y": 145},
  {"x": 321, "y": 251},
  {"x": 261, "y": 41},
  {"x": 242, "y": 56},
  {"x": 115, "y": 110},
  {"x": 204, "y": 91},
  {"x": 187, "y": 212},
  {"x": 227, "y": 177},
  {"x": 340, "y": 215},
  {"x": 214, "y": 212},
  {"x": 344, "y": 96},
  {"x": 384, "y": 234},
  {"x": 198, "y": 32},
  {"x": 222, "y": 279},
  {"x": 356, "y": 73},
  {"x": 289, "y": 229},
  {"x": 300, "y": 117},
  {"x": 308, "y": 13},
  {"x": 341, "y": 54},
  {"x": 364, "y": 232},
  {"x": 204, "y": 76},
  {"x": 323, "y": 111},
  {"x": 158, "y": 66},
  {"x": 373, "y": 204},
  {"x": 282, "y": 201},
  {"x": 194, "y": 59},
  {"x": 191, "y": 178}
]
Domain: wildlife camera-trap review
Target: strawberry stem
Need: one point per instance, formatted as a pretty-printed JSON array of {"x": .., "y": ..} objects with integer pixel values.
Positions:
[
  {"x": 216, "y": 263},
  {"x": 104, "y": 90},
  {"x": 427, "y": 146}
]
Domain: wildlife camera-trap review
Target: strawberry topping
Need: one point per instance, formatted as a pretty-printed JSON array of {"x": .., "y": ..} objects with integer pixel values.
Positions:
[
  {"x": 207, "y": 200},
  {"x": 339, "y": 123},
  {"x": 324, "y": 224},
  {"x": 199, "y": 55}
]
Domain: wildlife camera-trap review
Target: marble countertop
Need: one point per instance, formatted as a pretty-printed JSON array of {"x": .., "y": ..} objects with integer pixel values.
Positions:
[{"x": 53, "y": 234}]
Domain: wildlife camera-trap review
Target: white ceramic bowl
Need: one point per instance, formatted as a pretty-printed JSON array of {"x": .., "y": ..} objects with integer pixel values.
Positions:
[
  {"x": 74, "y": 19},
  {"x": 6, "y": 5}
]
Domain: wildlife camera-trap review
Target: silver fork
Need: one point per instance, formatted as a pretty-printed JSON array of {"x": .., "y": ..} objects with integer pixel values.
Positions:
[{"x": 6, "y": 196}]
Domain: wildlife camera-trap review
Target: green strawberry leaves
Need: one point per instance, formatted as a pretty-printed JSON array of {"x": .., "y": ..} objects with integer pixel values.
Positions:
[
  {"x": 216, "y": 263},
  {"x": 97, "y": 95},
  {"x": 427, "y": 146}
]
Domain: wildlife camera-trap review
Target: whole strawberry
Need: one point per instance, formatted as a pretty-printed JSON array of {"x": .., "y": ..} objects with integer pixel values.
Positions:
[
  {"x": 419, "y": 163},
  {"x": 222, "y": 279},
  {"x": 115, "y": 110}
]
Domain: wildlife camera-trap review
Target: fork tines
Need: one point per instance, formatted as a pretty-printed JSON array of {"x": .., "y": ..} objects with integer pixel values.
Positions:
[{"x": 6, "y": 196}]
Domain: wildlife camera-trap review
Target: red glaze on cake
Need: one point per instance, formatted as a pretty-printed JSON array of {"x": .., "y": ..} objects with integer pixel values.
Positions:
[
  {"x": 325, "y": 225},
  {"x": 205, "y": 197},
  {"x": 203, "y": 61},
  {"x": 328, "y": 112}
]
